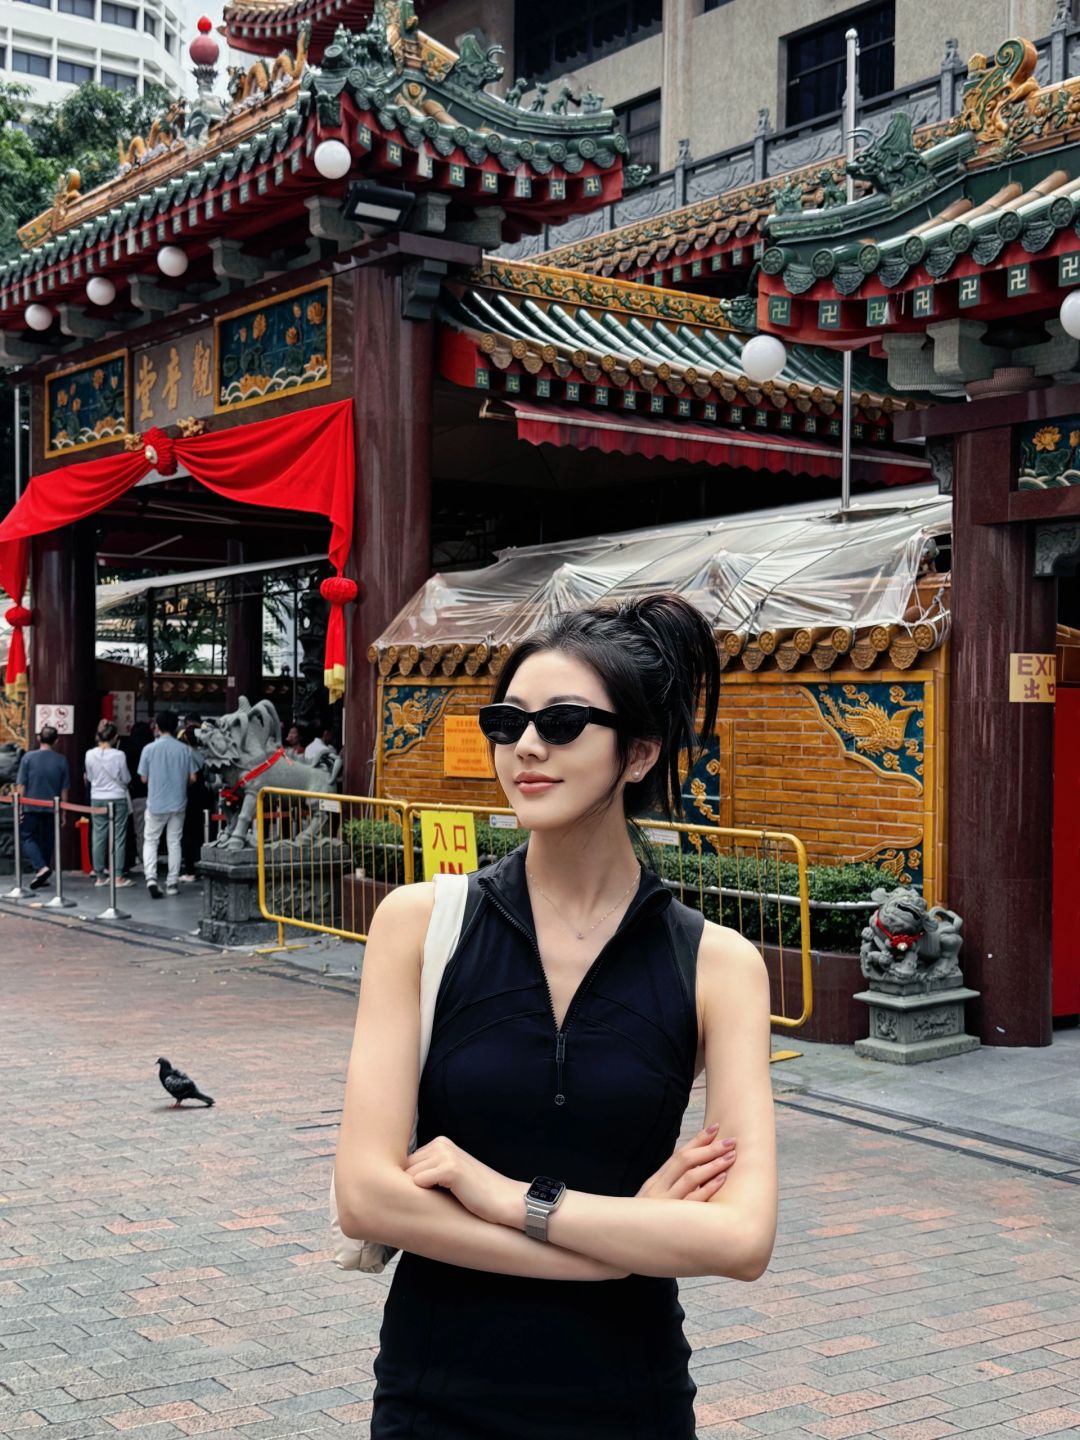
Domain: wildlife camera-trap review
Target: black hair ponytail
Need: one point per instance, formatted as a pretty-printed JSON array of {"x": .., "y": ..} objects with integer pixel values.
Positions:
[{"x": 656, "y": 657}]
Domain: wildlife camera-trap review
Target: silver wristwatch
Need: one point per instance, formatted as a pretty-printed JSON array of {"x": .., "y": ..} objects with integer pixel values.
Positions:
[{"x": 541, "y": 1198}]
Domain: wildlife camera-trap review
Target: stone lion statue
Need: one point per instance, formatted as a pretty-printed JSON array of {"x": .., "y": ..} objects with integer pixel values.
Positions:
[
  {"x": 910, "y": 944},
  {"x": 242, "y": 754},
  {"x": 10, "y": 755}
]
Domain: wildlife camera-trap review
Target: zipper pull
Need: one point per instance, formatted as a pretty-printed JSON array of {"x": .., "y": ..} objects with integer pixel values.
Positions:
[{"x": 560, "y": 1055}]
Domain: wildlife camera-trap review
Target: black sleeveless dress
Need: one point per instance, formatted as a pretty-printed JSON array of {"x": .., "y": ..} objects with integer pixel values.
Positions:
[{"x": 471, "y": 1355}]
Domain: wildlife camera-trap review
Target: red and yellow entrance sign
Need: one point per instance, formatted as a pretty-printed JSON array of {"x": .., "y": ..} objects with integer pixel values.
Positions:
[
  {"x": 449, "y": 841},
  {"x": 1032, "y": 679}
]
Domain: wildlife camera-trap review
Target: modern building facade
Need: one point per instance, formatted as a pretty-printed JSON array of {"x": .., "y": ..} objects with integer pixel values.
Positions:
[
  {"x": 706, "y": 76},
  {"x": 53, "y": 45}
]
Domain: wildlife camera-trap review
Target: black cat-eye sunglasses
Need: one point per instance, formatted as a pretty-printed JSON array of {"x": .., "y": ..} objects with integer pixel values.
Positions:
[{"x": 555, "y": 724}]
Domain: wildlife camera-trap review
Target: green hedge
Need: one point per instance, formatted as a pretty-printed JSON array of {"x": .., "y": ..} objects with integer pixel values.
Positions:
[{"x": 378, "y": 843}]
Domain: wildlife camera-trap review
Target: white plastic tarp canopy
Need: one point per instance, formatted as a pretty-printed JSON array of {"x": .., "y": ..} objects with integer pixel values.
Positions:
[{"x": 775, "y": 569}]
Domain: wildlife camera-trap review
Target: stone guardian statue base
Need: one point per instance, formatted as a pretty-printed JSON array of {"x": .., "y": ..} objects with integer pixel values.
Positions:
[{"x": 916, "y": 997}]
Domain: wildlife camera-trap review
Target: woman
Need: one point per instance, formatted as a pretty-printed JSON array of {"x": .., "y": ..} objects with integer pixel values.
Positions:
[
  {"x": 108, "y": 778},
  {"x": 296, "y": 741},
  {"x": 564, "y": 1047}
]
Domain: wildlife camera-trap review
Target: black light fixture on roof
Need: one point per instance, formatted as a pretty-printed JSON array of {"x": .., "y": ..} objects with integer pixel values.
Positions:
[{"x": 378, "y": 208}]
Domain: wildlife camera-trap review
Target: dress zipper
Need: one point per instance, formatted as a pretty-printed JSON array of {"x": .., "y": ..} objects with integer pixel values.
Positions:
[{"x": 582, "y": 991}]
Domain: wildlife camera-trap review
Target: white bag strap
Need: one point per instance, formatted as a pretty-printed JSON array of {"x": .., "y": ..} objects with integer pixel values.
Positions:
[{"x": 443, "y": 932}]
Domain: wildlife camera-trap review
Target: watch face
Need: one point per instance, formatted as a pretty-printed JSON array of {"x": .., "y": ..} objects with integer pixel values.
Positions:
[{"x": 546, "y": 1190}]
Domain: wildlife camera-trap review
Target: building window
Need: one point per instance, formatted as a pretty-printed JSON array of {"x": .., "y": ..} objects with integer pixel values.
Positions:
[
  {"x": 713, "y": 5},
  {"x": 117, "y": 80},
  {"x": 85, "y": 8},
  {"x": 71, "y": 74},
  {"x": 43, "y": 4},
  {"x": 170, "y": 42},
  {"x": 640, "y": 123},
  {"x": 25, "y": 62},
  {"x": 563, "y": 34},
  {"x": 150, "y": 24},
  {"x": 118, "y": 15},
  {"x": 816, "y": 62}
]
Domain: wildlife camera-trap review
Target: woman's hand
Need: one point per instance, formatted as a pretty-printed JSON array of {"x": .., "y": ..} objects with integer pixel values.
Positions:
[
  {"x": 696, "y": 1171},
  {"x": 483, "y": 1191}
]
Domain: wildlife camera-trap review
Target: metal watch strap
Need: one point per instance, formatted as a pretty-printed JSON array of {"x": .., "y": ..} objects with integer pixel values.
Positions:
[{"x": 536, "y": 1221}]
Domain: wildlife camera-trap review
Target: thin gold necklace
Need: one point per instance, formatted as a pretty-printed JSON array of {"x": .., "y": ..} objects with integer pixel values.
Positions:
[{"x": 583, "y": 934}]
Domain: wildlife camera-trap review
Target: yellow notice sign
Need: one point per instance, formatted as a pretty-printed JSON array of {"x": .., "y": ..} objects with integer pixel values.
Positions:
[
  {"x": 466, "y": 754},
  {"x": 1032, "y": 679},
  {"x": 449, "y": 840}
]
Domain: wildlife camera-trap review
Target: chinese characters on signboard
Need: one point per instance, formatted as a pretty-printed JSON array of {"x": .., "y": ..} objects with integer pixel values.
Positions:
[
  {"x": 172, "y": 381},
  {"x": 466, "y": 754},
  {"x": 449, "y": 841},
  {"x": 1032, "y": 679}
]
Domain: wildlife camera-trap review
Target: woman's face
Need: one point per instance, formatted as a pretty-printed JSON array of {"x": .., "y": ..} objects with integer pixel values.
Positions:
[
  {"x": 577, "y": 775},
  {"x": 292, "y": 739}
]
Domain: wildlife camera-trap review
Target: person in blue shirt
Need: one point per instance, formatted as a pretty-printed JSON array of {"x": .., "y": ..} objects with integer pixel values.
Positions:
[
  {"x": 42, "y": 775},
  {"x": 168, "y": 767}
]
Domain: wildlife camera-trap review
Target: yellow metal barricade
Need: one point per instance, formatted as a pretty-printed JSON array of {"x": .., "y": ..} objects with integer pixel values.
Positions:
[
  {"x": 325, "y": 861},
  {"x": 755, "y": 881}
]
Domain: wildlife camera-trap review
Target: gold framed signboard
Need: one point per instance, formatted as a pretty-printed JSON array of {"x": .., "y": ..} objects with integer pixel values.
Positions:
[
  {"x": 278, "y": 347},
  {"x": 86, "y": 405}
]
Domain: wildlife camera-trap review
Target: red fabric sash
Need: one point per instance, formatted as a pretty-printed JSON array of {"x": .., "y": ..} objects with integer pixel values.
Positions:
[
  {"x": 233, "y": 794},
  {"x": 303, "y": 461}
]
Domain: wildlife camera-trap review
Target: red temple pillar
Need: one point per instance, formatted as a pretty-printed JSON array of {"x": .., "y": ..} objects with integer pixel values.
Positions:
[
  {"x": 394, "y": 374},
  {"x": 62, "y": 639},
  {"x": 1000, "y": 757}
]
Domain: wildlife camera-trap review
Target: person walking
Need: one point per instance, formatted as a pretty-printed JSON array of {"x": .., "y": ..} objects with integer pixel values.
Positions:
[
  {"x": 580, "y": 1005},
  {"x": 132, "y": 746},
  {"x": 169, "y": 767},
  {"x": 108, "y": 778},
  {"x": 198, "y": 802},
  {"x": 42, "y": 775}
]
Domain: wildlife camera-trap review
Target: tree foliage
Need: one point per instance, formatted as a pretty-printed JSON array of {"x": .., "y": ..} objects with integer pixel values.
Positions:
[{"x": 79, "y": 132}]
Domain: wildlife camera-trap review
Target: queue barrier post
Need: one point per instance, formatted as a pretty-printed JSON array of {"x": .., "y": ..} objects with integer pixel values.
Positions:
[
  {"x": 83, "y": 827},
  {"x": 58, "y": 902},
  {"x": 111, "y": 912},
  {"x": 18, "y": 891}
]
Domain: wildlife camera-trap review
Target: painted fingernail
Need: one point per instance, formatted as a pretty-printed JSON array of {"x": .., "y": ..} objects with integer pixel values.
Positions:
[
  {"x": 712, "y": 1129},
  {"x": 729, "y": 1142}
]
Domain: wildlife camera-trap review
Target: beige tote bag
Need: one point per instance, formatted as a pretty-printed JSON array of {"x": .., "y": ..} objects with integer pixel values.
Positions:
[{"x": 444, "y": 930}]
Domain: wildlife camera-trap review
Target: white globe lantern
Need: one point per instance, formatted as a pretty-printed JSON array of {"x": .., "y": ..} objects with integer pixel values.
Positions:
[
  {"x": 100, "y": 290},
  {"x": 332, "y": 159},
  {"x": 763, "y": 357},
  {"x": 38, "y": 317},
  {"x": 172, "y": 261},
  {"x": 1070, "y": 314}
]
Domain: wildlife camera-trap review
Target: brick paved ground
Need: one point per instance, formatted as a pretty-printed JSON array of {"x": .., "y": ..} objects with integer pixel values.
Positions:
[{"x": 162, "y": 1273}]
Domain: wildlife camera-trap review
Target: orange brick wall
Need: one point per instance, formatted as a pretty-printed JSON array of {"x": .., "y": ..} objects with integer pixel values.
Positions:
[{"x": 790, "y": 771}]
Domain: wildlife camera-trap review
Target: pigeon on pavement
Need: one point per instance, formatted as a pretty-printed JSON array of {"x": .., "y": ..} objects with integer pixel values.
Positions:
[{"x": 180, "y": 1086}]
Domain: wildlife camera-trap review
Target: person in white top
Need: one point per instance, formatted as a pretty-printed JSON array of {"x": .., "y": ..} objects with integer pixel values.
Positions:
[
  {"x": 320, "y": 745},
  {"x": 108, "y": 778}
]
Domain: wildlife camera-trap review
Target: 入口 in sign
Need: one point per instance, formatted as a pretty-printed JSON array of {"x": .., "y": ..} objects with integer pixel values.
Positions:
[
  {"x": 1032, "y": 679},
  {"x": 449, "y": 842}
]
